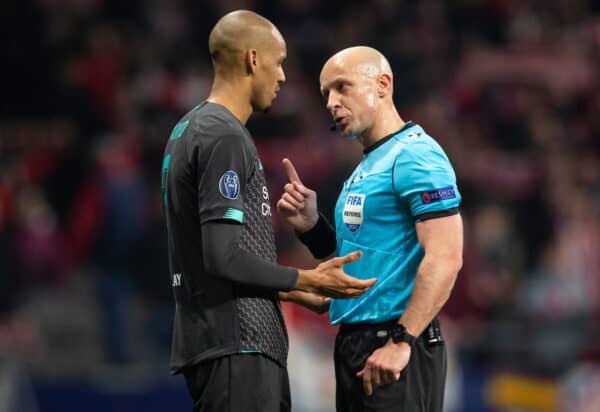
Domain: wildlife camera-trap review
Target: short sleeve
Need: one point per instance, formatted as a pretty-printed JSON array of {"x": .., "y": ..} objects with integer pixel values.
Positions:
[
  {"x": 223, "y": 170},
  {"x": 425, "y": 179}
]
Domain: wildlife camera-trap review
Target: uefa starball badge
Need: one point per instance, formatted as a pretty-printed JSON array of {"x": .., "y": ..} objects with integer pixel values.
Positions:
[{"x": 229, "y": 185}]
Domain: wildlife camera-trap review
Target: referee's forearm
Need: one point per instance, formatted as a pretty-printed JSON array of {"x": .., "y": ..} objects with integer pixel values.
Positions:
[{"x": 433, "y": 284}]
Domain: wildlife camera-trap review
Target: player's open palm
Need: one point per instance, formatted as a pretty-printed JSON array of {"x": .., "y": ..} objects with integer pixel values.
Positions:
[
  {"x": 298, "y": 204},
  {"x": 336, "y": 283}
]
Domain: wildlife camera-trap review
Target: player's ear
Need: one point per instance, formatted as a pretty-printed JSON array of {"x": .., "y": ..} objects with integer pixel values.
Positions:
[
  {"x": 251, "y": 61},
  {"x": 384, "y": 85}
]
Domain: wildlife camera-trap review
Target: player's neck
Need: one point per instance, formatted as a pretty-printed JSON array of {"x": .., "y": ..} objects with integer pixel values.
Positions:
[
  {"x": 388, "y": 122},
  {"x": 232, "y": 95}
]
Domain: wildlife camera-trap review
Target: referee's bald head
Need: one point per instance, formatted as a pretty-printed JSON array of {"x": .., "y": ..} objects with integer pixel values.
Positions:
[
  {"x": 361, "y": 60},
  {"x": 237, "y": 32}
]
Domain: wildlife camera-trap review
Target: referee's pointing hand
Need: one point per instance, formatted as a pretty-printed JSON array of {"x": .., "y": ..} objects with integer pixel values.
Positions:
[{"x": 298, "y": 204}]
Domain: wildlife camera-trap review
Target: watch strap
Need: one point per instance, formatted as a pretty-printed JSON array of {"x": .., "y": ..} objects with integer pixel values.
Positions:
[{"x": 399, "y": 334}]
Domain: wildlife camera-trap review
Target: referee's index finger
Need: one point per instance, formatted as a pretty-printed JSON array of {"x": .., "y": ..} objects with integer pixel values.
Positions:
[{"x": 291, "y": 171}]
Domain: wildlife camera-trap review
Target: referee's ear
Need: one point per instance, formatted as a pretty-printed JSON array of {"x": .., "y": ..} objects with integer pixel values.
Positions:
[{"x": 384, "y": 85}]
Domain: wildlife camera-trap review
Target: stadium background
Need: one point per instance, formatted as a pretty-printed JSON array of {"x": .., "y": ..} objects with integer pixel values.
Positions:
[{"x": 92, "y": 88}]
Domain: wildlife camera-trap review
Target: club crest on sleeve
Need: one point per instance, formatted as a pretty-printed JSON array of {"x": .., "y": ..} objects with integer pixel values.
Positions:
[
  {"x": 229, "y": 185},
  {"x": 437, "y": 195}
]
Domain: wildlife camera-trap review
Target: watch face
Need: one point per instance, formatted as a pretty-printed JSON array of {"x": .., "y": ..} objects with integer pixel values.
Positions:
[{"x": 398, "y": 333}]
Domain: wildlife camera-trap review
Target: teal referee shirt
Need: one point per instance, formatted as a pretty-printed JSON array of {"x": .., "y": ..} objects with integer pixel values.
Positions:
[{"x": 404, "y": 177}]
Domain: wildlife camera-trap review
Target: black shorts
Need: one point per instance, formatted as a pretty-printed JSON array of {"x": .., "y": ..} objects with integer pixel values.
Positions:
[
  {"x": 239, "y": 383},
  {"x": 421, "y": 384}
]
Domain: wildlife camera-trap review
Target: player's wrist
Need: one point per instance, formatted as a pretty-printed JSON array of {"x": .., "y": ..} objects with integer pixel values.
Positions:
[{"x": 306, "y": 280}]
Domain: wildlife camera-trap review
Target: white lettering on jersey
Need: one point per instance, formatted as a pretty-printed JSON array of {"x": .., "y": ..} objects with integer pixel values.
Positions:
[
  {"x": 176, "y": 279},
  {"x": 265, "y": 206}
]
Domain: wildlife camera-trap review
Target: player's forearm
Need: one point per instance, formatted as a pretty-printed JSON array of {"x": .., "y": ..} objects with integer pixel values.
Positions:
[
  {"x": 294, "y": 296},
  {"x": 434, "y": 281},
  {"x": 302, "y": 298},
  {"x": 224, "y": 258},
  {"x": 310, "y": 301}
]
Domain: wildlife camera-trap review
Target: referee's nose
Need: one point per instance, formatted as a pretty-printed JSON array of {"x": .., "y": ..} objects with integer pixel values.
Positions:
[{"x": 333, "y": 102}]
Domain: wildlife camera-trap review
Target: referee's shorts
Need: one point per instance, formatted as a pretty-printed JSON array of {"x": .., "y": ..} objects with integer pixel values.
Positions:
[
  {"x": 421, "y": 384},
  {"x": 239, "y": 383}
]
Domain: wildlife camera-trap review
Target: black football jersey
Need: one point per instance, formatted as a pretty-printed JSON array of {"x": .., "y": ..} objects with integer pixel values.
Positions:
[{"x": 211, "y": 171}]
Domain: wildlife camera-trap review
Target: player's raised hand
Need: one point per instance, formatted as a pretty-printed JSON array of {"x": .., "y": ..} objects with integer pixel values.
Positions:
[
  {"x": 329, "y": 279},
  {"x": 298, "y": 204}
]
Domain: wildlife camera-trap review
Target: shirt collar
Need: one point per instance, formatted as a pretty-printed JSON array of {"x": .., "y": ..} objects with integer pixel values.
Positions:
[{"x": 381, "y": 141}]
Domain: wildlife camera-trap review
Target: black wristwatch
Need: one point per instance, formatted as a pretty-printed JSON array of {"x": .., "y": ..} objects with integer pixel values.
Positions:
[{"x": 398, "y": 333}]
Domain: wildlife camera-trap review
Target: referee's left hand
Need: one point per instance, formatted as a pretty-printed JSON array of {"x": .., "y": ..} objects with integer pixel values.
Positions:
[
  {"x": 384, "y": 365},
  {"x": 298, "y": 204}
]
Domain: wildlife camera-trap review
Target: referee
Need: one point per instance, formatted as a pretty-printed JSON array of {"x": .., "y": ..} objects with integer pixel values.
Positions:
[
  {"x": 229, "y": 337},
  {"x": 400, "y": 207}
]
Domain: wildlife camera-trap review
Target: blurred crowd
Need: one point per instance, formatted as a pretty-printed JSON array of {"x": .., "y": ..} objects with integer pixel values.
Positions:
[{"x": 510, "y": 89}]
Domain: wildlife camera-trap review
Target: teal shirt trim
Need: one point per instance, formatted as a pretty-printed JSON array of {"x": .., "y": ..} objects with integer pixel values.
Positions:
[
  {"x": 164, "y": 179},
  {"x": 178, "y": 130},
  {"x": 234, "y": 214}
]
